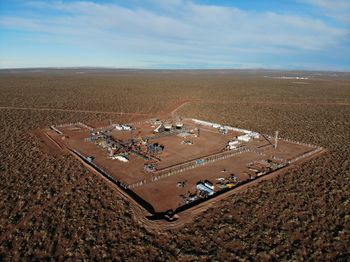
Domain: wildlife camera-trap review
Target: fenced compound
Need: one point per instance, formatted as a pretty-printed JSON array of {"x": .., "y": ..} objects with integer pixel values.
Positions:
[{"x": 160, "y": 187}]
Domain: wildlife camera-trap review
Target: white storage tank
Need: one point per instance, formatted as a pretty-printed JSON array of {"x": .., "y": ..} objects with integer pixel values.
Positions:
[{"x": 168, "y": 127}]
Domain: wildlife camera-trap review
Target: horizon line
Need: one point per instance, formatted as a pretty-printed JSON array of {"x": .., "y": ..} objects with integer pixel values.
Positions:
[{"x": 171, "y": 69}]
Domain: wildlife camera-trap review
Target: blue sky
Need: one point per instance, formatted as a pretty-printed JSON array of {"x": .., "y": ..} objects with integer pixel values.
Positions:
[{"x": 289, "y": 34}]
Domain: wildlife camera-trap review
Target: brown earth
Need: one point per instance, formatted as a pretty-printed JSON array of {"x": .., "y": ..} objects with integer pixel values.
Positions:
[
  {"x": 69, "y": 110},
  {"x": 163, "y": 194},
  {"x": 73, "y": 214}
]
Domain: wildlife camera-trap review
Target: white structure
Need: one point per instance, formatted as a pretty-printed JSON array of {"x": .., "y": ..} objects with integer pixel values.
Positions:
[
  {"x": 254, "y": 135},
  {"x": 158, "y": 128},
  {"x": 276, "y": 139},
  {"x": 121, "y": 158},
  {"x": 168, "y": 127},
  {"x": 201, "y": 122},
  {"x": 201, "y": 187},
  {"x": 223, "y": 130},
  {"x": 233, "y": 144},
  {"x": 123, "y": 127},
  {"x": 244, "y": 138},
  {"x": 209, "y": 185},
  {"x": 206, "y": 123},
  {"x": 179, "y": 125}
]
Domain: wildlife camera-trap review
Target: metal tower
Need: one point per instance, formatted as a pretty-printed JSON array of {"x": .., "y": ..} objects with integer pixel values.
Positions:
[{"x": 276, "y": 139}]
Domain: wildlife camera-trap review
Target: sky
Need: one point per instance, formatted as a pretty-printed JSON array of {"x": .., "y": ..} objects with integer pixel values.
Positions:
[{"x": 176, "y": 34}]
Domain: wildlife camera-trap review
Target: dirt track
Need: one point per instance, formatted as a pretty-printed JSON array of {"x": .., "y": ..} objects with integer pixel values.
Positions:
[
  {"x": 273, "y": 103},
  {"x": 174, "y": 107},
  {"x": 71, "y": 110},
  {"x": 171, "y": 109}
]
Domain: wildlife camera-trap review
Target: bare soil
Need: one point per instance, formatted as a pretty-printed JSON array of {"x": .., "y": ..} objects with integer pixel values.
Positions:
[
  {"x": 301, "y": 215},
  {"x": 163, "y": 194}
]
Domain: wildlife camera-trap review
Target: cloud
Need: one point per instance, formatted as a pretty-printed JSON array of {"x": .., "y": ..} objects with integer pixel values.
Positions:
[
  {"x": 337, "y": 9},
  {"x": 330, "y": 4},
  {"x": 182, "y": 31}
]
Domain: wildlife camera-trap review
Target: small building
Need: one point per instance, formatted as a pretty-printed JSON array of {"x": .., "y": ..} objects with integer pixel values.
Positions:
[
  {"x": 233, "y": 143},
  {"x": 244, "y": 138}
]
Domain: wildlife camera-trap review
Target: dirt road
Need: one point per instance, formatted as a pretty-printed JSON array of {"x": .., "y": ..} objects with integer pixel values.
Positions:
[
  {"x": 71, "y": 110},
  {"x": 171, "y": 108},
  {"x": 272, "y": 103}
]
